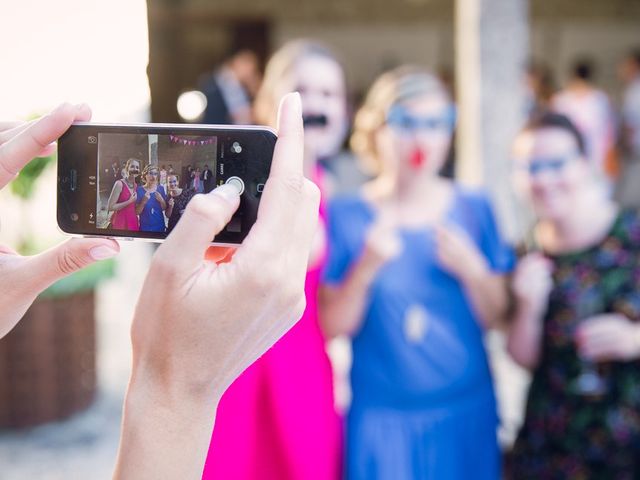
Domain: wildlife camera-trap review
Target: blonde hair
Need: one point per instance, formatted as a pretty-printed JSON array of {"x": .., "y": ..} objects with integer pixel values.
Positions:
[
  {"x": 279, "y": 66},
  {"x": 396, "y": 86}
]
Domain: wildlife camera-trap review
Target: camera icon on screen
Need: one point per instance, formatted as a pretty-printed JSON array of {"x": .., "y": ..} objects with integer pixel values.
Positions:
[{"x": 92, "y": 139}]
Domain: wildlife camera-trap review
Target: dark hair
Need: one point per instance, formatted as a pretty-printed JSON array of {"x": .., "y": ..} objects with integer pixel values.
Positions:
[
  {"x": 546, "y": 84},
  {"x": 634, "y": 56},
  {"x": 555, "y": 120},
  {"x": 583, "y": 69}
]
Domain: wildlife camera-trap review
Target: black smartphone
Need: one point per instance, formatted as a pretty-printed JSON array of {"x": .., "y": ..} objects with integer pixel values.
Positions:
[{"x": 134, "y": 181}]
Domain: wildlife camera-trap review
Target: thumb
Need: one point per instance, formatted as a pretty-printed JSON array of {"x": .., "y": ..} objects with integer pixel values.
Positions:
[
  {"x": 67, "y": 258},
  {"x": 204, "y": 217}
]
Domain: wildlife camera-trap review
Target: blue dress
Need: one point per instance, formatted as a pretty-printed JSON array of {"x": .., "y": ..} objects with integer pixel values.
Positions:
[
  {"x": 423, "y": 405},
  {"x": 152, "y": 216}
]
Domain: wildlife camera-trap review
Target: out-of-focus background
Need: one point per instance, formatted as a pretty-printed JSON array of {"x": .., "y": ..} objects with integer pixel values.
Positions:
[{"x": 130, "y": 60}]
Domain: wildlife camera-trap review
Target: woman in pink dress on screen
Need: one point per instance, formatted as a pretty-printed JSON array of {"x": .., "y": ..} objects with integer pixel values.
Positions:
[
  {"x": 122, "y": 201},
  {"x": 278, "y": 420}
]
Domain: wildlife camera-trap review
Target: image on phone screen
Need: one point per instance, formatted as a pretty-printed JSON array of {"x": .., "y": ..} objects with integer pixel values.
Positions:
[{"x": 136, "y": 181}]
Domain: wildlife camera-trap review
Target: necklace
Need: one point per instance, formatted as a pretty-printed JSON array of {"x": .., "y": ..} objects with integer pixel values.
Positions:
[{"x": 416, "y": 323}]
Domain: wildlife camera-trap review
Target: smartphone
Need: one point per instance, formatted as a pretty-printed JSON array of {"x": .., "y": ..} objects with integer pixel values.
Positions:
[{"x": 135, "y": 181}]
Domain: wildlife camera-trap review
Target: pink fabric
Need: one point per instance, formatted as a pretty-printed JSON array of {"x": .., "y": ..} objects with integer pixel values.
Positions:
[
  {"x": 125, "y": 219},
  {"x": 278, "y": 420}
]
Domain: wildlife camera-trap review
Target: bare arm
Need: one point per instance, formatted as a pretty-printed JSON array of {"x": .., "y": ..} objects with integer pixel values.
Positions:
[
  {"x": 189, "y": 346},
  {"x": 524, "y": 341},
  {"x": 531, "y": 285},
  {"x": 176, "y": 427},
  {"x": 113, "y": 198},
  {"x": 160, "y": 198},
  {"x": 487, "y": 292},
  {"x": 140, "y": 205},
  {"x": 342, "y": 307},
  {"x": 169, "y": 210}
]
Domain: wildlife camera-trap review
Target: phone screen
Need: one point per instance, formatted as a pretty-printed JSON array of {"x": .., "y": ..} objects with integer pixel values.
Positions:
[{"x": 136, "y": 181}]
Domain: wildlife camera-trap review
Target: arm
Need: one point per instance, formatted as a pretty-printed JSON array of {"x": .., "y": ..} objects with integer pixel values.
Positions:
[
  {"x": 161, "y": 200},
  {"x": 170, "y": 205},
  {"x": 531, "y": 285},
  {"x": 189, "y": 347},
  {"x": 487, "y": 291},
  {"x": 342, "y": 307},
  {"x": 524, "y": 339},
  {"x": 143, "y": 201},
  {"x": 113, "y": 198}
]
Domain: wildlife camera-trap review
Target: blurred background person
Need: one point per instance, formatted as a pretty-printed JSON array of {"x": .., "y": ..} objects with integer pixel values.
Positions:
[
  {"x": 151, "y": 201},
  {"x": 116, "y": 171},
  {"x": 163, "y": 176},
  {"x": 415, "y": 274},
  {"x": 629, "y": 73},
  {"x": 326, "y": 120},
  {"x": 196, "y": 181},
  {"x": 589, "y": 108},
  {"x": 278, "y": 420},
  {"x": 177, "y": 203},
  {"x": 230, "y": 90},
  {"x": 208, "y": 180},
  {"x": 539, "y": 87},
  {"x": 575, "y": 323},
  {"x": 123, "y": 197}
]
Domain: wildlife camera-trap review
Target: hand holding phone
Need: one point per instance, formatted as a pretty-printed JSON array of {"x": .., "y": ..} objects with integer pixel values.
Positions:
[
  {"x": 25, "y": 277},
  {"x": 212, "y": 321}
]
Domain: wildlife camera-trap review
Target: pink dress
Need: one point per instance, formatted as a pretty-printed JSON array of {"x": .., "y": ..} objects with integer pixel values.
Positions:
[
  {"x": 125, "y": 219},
  {"x": 278, "y": 420}
]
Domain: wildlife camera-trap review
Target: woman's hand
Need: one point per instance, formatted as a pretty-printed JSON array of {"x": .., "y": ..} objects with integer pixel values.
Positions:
[
  {"x": 382, "y": 244},
  {"x": 25, "y": 277},
  {"x": 458, "y": 254},
  {"x": 607, "y": 337},
  {"x": 198, "y": 325}
]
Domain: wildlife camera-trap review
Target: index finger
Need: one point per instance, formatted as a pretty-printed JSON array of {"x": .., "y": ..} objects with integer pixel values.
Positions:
[{"x": 21, "y": 149}]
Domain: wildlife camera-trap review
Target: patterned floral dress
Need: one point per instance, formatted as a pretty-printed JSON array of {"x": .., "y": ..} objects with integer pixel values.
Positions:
[{"x": 567, "y": 434}]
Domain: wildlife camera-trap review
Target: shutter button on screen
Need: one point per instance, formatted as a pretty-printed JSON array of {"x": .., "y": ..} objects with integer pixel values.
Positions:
[{"x": 237, "y": 182}]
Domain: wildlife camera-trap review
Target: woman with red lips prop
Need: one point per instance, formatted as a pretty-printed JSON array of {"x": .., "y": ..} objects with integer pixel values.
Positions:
[{"x": 416, "y": 274}]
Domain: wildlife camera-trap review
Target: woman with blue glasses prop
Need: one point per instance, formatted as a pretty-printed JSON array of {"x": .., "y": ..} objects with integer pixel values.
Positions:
[{"x": 416, "y": 274}]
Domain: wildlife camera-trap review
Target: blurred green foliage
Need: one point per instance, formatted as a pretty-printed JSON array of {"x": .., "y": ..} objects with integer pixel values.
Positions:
[{"x": 23, "y": 185}]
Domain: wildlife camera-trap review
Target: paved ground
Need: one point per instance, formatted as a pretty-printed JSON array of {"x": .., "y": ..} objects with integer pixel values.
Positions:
[{"x": 84, "y": 446}]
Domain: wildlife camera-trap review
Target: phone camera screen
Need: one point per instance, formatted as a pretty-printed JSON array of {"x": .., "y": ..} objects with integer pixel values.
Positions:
[{"x": 145, "y": 181}]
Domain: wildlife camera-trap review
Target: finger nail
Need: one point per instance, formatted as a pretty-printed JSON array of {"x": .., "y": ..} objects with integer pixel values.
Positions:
[
  {"x": 102, "y": 252},
  {"x": 229, "y": 192}
]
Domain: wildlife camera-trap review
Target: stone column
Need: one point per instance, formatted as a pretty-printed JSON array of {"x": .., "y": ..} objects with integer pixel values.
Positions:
[{"x": 491, "y": 48}]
